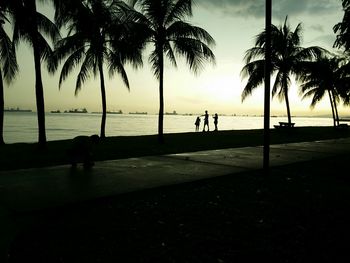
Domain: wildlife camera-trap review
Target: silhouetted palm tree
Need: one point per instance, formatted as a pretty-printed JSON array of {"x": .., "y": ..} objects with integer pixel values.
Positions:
[
  {"x": 166, "y": 29},
  {"x": 287, "y": 55},
  {"x": 99, "y": 32},
  {"x": 30, "y": 26},
  {"x": 8, "y": 64},
  {"x": 324, "y": 76}
]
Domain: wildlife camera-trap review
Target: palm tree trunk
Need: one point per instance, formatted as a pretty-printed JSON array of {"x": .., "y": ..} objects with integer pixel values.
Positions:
[
  {"x": 267, "y": 78},
  {"x": 161, "y": 97},
  {"x": 288, "y": 108},
  {"x": 335, "y": 109},
  {"x": 332, "y": 106},
  {"x": 103, "y": 95},
  {"x": 1, "y": 110},
  {"x": 39, "y": 92}
]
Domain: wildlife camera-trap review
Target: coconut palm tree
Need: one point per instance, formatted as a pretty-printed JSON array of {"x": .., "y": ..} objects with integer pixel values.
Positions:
[
  {"x": 166, "y": 28},
  {"x": 325, "y": 75},
  {"x": 34, "y": 28},
  {"x": 8, "y": 64},
  {"x": 287, "y": 56},
  {"x": 99, "y": 33}
]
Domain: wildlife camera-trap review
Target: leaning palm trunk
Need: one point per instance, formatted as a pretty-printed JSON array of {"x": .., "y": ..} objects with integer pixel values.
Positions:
[
  {"x": 332, "y": 106},
  {"x": 335, "y": 109},
  {"x": 1, "y": 110},
  {"x": 103, "y": 95},
  {"x": 161, "y": 98},
  {"x": 288, "y": 107}
]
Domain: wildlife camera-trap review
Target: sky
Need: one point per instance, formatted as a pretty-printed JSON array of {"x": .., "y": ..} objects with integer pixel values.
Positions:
[{"x": 217, "y": 88}]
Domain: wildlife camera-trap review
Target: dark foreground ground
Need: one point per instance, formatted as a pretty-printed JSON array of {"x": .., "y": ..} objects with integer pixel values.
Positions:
[{"x": 300, "y": 213}]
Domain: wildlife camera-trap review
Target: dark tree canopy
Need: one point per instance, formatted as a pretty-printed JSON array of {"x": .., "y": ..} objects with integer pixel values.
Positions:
[{"x": 342, "y": 29}]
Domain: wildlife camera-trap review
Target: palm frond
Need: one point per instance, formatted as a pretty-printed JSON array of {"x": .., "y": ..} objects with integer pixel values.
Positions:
[
  {"x": 47, "y": 27},
  {"x": 84, "y": 72},
  {"x": 72, "y": 61},
  {"x": 255, "y": 72},
  {"x": 116, "y": 65},
  {"x": 254, "y": 53},
  {"x": 195, "y": 51},
  {"x": 296, "y": 35},
  {"x": 154, "y": 61},
  {"x": 7, "y": 56},
  {"x": 170, "y": 54},
  {"x": 185, "y": 30},
  {"x": 178, "y": 10}
]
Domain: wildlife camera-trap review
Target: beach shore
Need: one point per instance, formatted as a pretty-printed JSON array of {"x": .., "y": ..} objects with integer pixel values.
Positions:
[{"x": 27, "y": 155}]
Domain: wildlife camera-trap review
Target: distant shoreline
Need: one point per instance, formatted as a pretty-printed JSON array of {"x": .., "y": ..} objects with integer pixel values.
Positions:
[{"x": 186, "y": 114}]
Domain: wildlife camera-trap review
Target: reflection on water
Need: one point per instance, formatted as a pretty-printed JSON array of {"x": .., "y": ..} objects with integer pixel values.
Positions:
[{"x": 22, "y": 126}]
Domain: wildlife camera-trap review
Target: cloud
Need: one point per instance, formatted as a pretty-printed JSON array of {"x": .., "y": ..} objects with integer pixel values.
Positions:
[
  {"x": 318, "y": 28},
  {"x": 325, "y": 40},
  {"x": 281, "y": 8},
  {"x": 235, "y": 7}
]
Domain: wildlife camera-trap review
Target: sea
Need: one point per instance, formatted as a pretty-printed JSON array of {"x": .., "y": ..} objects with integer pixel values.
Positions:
[{"x": 22, "y": 126}]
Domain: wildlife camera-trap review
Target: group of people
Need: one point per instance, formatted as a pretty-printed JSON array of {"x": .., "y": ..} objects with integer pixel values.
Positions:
[{"x": 206, "y": 121}]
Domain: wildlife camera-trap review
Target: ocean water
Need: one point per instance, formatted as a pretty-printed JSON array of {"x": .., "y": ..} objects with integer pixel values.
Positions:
[{"x": 22, "y": 126}]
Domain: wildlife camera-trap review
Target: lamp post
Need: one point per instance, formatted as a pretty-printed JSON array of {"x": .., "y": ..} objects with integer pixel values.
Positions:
[{"x": 266, "y": 154}]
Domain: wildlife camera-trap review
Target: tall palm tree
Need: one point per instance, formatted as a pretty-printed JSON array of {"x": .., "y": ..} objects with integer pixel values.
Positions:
[
  {"x": 287, "y": 55},
  {"x": 99, "y": 32},
  {"x": 166, "y": 28},
  {"x": 34, "y": 28},
  {"x": 8, "y": 65},
  {"x": 324, "y": 76}
]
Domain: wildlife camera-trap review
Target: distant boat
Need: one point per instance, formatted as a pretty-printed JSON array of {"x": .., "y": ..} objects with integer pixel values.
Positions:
[
  {"x": 16, "y": 110},
  {"x": 171, "y": 113},
  {"x": 140, "y": 113},
  {"x": 84, "y": 110},
  {"x": 115, "y": 112},
  {"x": 55, "y": 111}
]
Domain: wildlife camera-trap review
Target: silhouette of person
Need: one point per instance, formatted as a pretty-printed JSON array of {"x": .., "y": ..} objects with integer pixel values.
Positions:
[
  {"x": 206, "y": 120},
  {"x": 197, "y": 123},
  {"x": 215, "y": 117},
  {"x": 81, "y": 150}
]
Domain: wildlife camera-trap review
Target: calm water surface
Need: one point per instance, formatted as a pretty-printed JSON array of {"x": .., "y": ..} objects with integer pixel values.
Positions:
[{"x": 22, "y": 126}]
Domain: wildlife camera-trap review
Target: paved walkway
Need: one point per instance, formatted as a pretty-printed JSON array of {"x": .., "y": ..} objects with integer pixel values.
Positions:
[{"x": 31, "y": 189}]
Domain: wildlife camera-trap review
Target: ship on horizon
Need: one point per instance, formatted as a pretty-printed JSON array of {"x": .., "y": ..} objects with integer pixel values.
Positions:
[
  {"x": 84, "y": 110},
  {"x": 115, "y": 112},
  {"x": 139, "y": 113},
  {"x": 17, "y": 110}
]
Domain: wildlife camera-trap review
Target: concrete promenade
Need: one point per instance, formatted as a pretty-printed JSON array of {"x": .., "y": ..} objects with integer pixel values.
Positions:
[{"x": 32, "y": 189}]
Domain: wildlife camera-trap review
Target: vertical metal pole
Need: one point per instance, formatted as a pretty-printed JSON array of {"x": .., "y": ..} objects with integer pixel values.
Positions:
[{"x": 268, "y": 17}]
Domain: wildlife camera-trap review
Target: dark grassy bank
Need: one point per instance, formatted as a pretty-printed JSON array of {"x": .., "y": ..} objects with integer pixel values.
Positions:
[
  {"x": 297, "y": 214},
  {"x": 22, "y": 155}
]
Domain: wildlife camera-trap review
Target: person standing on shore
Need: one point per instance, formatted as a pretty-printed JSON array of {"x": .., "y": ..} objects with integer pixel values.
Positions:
[
  {"x": 206, "y": 120},
  {"x": 215, "y": 117},
  {"x": 197, "y": 123}
]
